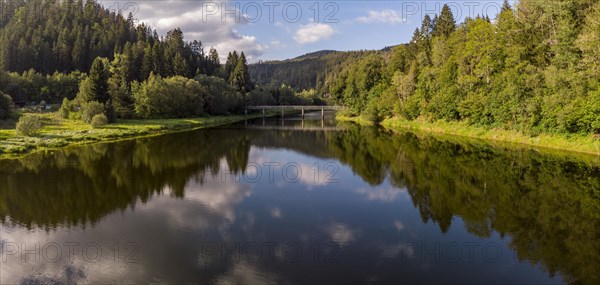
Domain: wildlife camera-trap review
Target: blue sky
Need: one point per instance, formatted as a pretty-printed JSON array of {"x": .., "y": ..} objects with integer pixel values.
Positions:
[{"x": 272, "y": 30}]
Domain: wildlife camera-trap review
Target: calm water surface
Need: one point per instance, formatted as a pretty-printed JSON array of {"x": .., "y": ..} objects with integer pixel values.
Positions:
[{"x": 271, "y": 201}]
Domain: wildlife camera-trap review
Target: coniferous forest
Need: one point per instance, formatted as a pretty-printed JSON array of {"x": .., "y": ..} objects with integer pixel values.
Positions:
[
  {"x": 80, "y": 54},
  {"x": 534, "y": 68}
]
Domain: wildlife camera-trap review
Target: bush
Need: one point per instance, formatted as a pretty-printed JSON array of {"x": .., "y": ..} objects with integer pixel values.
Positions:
[
  {"x": 99, "y": 120},
  {"x": 174, "y": 97},
  {"x": 67, "y": 108},
  {"x": 6, "y": 106},
  {"x": 91, "y": 109},
  {"x": 373, "y": 113},
  {"x": 221, "y": 98},
  {"x": 29, "y": 125}
]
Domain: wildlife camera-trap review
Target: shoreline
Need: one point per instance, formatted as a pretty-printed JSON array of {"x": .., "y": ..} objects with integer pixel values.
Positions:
[
  {"x": 576, "y": 144},
  {"x": 58, "y": 133}
]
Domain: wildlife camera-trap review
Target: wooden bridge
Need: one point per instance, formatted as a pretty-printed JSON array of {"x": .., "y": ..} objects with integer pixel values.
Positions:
[{"x": 302, "y": 108}]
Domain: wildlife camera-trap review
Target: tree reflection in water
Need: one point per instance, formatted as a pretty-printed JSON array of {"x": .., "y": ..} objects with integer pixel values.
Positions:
[{"x": 548, "y": 204}]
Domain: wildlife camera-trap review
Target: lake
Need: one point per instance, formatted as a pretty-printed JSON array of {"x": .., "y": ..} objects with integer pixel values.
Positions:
[{"x": 299, "y": 201}]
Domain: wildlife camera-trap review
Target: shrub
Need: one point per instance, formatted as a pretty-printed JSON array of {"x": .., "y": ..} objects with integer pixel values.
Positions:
[
  {"x": 91, "y": 109},
  {"x": 29, "y": 125},
  {"x": 6, "y": 106},
  {"x": 174, "y": 97},
  {"x": 67, "y": 108},
  {"x": 99, "y": 120},
  {"x": 221, "y": 98},
  {"x": 373, "y": 113}
]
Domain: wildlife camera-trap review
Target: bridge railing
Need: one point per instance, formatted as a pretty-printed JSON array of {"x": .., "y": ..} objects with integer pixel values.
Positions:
[{"x": 294, "y": 107}]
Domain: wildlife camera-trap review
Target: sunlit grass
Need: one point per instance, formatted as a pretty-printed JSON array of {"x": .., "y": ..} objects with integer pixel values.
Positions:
[
  {"x": 58, "y": 132},
  {"x": 577, "y": 142}
]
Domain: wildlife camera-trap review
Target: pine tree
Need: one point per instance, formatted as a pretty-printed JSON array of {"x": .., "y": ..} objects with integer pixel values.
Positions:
[
  {"x": 119, "y": 89},
  {"x": 213, "y": 62},
  {"x": 505, "y": 6},
  {"x": 240, "y": 78},
  {"x": 99, "y": 81},
  {"x": 78, "y": 53},
  {"x": 180, "y": 66},
  {"x": 147, "y": 63},
  {"x": 232, "y": 60},
  {"x": 445, "y": 23}
]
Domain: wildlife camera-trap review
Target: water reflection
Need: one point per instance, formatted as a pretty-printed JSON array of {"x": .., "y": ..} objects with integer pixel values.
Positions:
[{"x": 227, "y": 206}]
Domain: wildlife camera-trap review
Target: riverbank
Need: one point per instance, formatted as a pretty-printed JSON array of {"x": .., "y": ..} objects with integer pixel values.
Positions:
[
  {"x": 588, "y": 144},
  {"x": 58, "y": 132}
]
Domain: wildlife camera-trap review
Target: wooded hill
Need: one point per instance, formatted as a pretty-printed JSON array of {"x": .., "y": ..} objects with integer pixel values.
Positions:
[
  {"x": 309, "y": 71},
  {"x": 80, "y": 51},
  {"x": 534, "y": 68}
]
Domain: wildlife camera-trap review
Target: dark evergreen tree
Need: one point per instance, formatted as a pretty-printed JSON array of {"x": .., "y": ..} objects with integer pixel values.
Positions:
[
  {"x": 240, "y": 78},
  {"x": 99, "y": 81},
  {"x": 445, "y": 23},
  {"x": 232, "y": 61},
  {"x": 213, "y": 62}
]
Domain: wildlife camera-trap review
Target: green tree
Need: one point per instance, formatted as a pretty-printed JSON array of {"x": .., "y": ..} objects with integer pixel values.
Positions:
[
  {"x": 213, "y": 62},
  {"x": 6, "y": 106},
  {"x": 230, "y": 65},
  {"x": 119, "y": 88},
  {"x": 174, "y": 97},
  {"x": 98, "y": 76},
  {"x": 240, "y": 78},
  {"x": 445, "y": 24}
]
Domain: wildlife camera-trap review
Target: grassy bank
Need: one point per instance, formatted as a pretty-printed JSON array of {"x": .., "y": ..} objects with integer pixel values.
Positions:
[
  {"x": 589, "y": 144},
  {"x": 58, "y": 132}
]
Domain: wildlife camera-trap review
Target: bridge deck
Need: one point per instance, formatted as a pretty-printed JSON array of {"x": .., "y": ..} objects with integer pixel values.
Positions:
[
  {"x": 295, "y": 128},
  {"x": 307, "y": 108}
]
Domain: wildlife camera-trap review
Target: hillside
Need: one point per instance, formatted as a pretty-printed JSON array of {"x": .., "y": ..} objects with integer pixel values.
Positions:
[
  {"x": 535, "y": 69},
  {"x": 66, "y": 36},
  {"x": 304, "y": 72}
]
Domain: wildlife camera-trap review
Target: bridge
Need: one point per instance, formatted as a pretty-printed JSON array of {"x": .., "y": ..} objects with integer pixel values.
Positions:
[{"x": 290, "y": 107}]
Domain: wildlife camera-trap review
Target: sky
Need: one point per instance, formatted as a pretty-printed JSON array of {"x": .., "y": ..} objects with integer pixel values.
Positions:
[{"x": 277, "y": 30}]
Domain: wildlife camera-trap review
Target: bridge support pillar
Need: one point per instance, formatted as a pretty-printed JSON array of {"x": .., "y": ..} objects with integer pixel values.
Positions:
[
  {"x": 282, "y": 113},
  {"x": 322, "y": 113},
  {"x": 302, "y": 113},
  {"x": 263, "y": 113}
]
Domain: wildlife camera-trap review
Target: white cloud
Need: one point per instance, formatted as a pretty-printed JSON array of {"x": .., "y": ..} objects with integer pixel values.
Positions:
[
  {"x": 387, "y": 16},
  {"x": 212, "y": 29},
  {"x": 219, "y": 196},
  {"x": 246, "y": 273},
  {"x": 383, "y": 195},
  {"x": 313, "y": 32},
  {"x": 341, "y": 234},
  {"x": 399, "y": 225},
  {"x": 276, "y": 213},
  {"x": 278, "y": 44},
  {"x": 283, "y": 27}
]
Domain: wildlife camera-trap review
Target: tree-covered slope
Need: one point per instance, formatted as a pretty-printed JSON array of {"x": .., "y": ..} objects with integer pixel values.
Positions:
[
  {"x": 304, "y": 72},
  {"x": 63, "y": 36},
  {"x": 534, "y": 68}
]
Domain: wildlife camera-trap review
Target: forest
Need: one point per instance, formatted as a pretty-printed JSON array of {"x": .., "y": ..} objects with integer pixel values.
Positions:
[
  {"x": 97, "y": 62},
  {"x": 534, "y": 68},
  {"x": 309, "y": 71}
]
